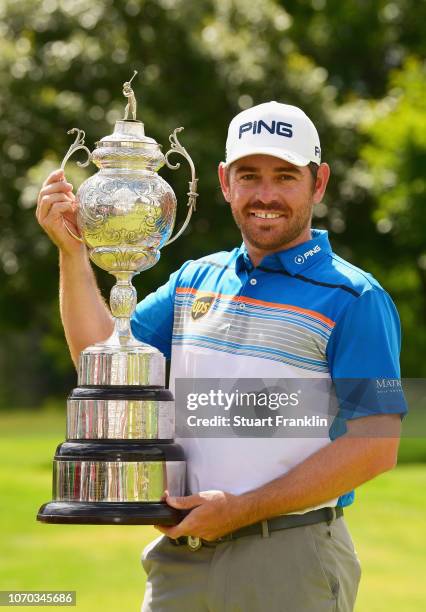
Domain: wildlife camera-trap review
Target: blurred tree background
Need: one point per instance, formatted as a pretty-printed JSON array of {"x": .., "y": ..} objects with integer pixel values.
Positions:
[{"x": 355, "y": 66}]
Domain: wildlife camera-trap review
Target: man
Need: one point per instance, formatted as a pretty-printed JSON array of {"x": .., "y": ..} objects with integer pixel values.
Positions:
[{"x": 265, "y": 529}]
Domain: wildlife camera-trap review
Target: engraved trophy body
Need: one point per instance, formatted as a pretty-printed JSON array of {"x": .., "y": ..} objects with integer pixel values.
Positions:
[{"x": 119, "y": 457}]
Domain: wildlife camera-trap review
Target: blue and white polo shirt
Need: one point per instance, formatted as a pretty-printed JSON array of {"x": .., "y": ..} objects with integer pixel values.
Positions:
[{"x": 303, "y": 312}]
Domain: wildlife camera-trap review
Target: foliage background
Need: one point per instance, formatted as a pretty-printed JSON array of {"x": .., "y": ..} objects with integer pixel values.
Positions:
[{"x": 355, "y": 66}]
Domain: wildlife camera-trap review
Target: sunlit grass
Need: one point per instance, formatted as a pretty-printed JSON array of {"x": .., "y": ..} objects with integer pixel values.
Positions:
[
  {"x": 101, "y": 563},
  {"x": 387, "y": 522},
  {"x": 388, "y": 526}
]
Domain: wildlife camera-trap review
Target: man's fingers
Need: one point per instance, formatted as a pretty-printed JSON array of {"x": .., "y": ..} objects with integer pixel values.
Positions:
[
  {"x": 185, "y": 527},
  {"x": 56, "y": 175},
  {"x": 56, "y": 214},
  {"x": 60, "y": 208},
  {"x": 57, "y": 187},
  {"x": 47, "y": 202},
  {"x": 190, "y": 501},
  {"x": 56, "y": 211},
  {"x": 168, "y": 531}
]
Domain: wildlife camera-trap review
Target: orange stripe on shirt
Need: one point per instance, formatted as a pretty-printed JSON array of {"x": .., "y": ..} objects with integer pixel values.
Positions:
[{"x": 247, "y": 300}]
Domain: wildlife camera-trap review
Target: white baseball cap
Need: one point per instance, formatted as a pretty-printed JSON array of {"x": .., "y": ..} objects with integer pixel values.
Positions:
[{"x": 276, "y": 129}]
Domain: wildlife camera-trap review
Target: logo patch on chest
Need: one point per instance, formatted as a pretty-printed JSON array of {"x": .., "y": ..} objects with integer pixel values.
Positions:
[{"x": 201, "y": 306}]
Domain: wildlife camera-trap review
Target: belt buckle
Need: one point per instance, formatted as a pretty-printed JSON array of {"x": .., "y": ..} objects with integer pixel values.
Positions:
[{"x": 194, "y": 543}]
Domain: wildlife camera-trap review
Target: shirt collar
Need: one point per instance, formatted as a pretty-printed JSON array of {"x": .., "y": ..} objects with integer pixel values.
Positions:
[
  {"x": 243, "y": 261},
  {"x": 294, "y": 260}
]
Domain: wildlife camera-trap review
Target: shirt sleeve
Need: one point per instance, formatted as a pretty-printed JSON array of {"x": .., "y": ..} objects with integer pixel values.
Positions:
[
  {"x": 152, "y": 320},
  {"x": 363, "y": 355}
]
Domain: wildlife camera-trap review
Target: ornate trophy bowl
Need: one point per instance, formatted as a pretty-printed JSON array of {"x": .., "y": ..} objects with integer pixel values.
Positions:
[
  {"x": 119, "y": 457},
  {"x": 126, "y": 210}
]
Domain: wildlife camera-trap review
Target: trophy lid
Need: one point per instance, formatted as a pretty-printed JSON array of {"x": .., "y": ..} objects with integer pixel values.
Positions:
[
  {"x": 128, "y": 147},
  {"x": 127, "y": 131}
]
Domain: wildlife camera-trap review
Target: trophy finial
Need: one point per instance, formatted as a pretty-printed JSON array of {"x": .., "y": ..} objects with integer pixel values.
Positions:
[{"x": 129, "y": 93}]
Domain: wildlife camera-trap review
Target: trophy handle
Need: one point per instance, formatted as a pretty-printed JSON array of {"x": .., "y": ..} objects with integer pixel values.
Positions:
[
  {"x": 76, "y": 146},
  {"x": 192, "y": 193}
]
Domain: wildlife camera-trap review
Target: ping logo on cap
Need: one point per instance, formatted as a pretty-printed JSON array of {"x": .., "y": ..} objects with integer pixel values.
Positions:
[
  {"x": 277, "y": 127},
  {"x": 201, "y": 306}
]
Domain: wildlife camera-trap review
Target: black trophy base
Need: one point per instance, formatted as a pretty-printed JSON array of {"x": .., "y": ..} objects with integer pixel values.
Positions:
[{"x": 110, "y": 513}]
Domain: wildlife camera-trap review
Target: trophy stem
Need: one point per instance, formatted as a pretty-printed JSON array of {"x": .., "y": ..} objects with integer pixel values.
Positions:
[{"x": 123, "y": 302}]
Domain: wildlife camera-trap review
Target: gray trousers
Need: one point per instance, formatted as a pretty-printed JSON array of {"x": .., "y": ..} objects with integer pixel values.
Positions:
[{"x": 312, "y": 568}]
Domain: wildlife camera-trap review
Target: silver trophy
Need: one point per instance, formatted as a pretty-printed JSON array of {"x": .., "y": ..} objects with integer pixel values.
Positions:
[{"x": 119, "y": 457}]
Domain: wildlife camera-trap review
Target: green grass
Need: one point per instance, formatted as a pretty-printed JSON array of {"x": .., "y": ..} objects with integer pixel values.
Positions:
[
  {"x": 101, "y": 563},
  {"x": 388, "y": 525},
  {"x": 387, "y": 522}
]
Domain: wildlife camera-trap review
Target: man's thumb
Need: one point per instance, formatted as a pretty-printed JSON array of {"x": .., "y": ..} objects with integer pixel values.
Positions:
[{"x": 189, "y": 501}]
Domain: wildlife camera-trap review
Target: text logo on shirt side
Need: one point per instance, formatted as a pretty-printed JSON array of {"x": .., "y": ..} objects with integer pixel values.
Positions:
[
  {"x": 299, "y": 259},
  {"x": 201, "y": 306}
]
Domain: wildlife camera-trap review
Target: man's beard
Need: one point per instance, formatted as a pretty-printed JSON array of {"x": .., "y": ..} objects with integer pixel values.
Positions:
[{"x": 277, "y": 238}]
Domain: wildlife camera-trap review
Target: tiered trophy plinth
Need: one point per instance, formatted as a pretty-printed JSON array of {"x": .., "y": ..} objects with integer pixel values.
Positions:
[{"x": 119, "y": 457}]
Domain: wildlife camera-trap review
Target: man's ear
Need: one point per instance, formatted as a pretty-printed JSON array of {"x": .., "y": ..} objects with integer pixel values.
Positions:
[
  {"x": 223, "y": 173},
  {"x": 321, "y": 182}
]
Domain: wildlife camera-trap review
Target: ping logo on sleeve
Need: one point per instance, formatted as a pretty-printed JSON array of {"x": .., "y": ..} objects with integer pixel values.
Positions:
[{"x": 201, "y": 306}]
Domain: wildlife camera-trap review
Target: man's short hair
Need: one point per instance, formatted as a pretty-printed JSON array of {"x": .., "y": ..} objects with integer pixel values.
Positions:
[{"x": 313, "y": 167}]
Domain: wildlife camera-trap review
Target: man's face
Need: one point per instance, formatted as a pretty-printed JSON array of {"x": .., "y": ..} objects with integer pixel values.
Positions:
[{"x": 271, "y": 199}]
